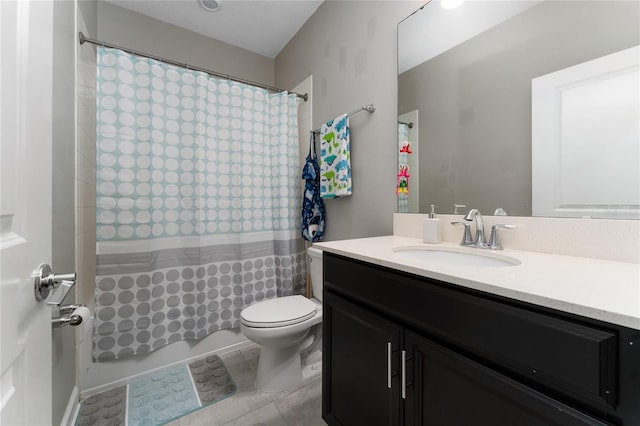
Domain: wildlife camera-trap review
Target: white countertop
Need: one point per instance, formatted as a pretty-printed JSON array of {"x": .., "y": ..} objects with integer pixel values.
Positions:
[{"x": 599, "y": 289}]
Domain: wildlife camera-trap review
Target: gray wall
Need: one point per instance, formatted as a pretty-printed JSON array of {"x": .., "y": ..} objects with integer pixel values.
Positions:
[
  {"x": 133, "y": 30},
  {"x": 475, "y": 100},
  {"x": 87, "y": 22},
  {"x": 63, "y": 203},
  {"x": 350, "y": 48}
]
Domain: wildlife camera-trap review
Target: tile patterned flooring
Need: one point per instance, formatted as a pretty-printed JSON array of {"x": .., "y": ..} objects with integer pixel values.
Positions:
[{"x": 248, "y": 406}]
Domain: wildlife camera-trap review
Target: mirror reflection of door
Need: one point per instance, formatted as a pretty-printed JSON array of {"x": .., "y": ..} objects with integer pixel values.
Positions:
[{"x": 586, "y": 139}]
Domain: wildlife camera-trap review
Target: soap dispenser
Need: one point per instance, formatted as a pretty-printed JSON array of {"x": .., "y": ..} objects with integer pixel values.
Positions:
[{"x": 431, "y": 230}]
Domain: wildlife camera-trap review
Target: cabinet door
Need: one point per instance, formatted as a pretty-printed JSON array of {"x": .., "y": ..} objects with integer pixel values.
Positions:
[
  {"x": 360, "y": 382},
  {"x": 445, "y": 388}
]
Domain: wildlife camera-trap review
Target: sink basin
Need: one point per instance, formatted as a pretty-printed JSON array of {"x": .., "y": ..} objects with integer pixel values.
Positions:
[{"x": 459, "y": 257}]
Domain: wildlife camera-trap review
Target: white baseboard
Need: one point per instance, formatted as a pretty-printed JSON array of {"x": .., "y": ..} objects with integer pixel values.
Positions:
[
  {"x": 73, "y": 406},
  {"x": 121, "y": 382}
]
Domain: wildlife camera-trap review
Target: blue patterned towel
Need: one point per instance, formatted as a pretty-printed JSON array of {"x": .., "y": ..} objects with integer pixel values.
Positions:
[
  {"x": 335, "y": 158},
  {"x": 312, "y": 205}
]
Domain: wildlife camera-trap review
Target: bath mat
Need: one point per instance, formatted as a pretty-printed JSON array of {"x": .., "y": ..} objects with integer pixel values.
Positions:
[{"x": 160, "y": 397}]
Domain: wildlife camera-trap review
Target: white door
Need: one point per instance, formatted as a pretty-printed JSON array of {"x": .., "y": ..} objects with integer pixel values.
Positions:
[{"x": 25, "y": 209}]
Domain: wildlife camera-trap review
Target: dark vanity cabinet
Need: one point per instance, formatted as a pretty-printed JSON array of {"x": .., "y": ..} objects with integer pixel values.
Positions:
[
  {"x": 363, "y": 343},
  {"x": 406, "y": 350}
]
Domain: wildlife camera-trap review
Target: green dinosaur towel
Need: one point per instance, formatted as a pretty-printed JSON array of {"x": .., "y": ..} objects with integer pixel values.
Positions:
[{"x": 335, "y": 158}]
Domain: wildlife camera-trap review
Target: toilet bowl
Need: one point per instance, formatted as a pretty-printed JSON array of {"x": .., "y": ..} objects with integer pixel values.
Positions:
[{"x": 289, "y": 331}]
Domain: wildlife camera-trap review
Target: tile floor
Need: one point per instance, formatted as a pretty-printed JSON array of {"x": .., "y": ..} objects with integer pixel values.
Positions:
[{"x": 248, "y": 406}]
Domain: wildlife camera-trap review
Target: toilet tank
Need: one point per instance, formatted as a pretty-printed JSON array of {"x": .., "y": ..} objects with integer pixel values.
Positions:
[{"x": 315, "y": 270}]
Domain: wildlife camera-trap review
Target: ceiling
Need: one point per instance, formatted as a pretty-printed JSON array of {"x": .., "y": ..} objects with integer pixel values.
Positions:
[{"x": 261, "y": 26}]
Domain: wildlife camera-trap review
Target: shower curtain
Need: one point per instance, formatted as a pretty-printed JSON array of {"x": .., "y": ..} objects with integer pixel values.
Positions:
[{"x": 197, "y": 203}]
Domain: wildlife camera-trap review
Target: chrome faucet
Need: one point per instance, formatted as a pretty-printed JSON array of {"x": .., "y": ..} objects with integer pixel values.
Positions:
[
  {"x": 474, "y": 214},
  {"x": 467, "y": 240},
  {"x": 479, "y": 242},
  {"x": 494, "y": 240}
]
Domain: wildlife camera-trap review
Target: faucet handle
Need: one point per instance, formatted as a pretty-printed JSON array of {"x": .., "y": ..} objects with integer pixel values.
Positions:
[
  {"x": 467, "y": 240},
  {"x": 494, "y": 240}
]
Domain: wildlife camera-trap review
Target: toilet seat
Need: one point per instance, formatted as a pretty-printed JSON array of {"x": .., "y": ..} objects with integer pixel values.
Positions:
[{"x": 278, "y": 312}]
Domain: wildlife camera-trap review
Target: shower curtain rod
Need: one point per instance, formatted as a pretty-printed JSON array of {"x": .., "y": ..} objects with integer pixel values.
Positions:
[
  {"x": 368, "y": 108},
  {"x": 84, "y": 40}
]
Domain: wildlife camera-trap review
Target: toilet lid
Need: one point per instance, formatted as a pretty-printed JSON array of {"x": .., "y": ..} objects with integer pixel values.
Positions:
[{"x": 278, "y": 312}]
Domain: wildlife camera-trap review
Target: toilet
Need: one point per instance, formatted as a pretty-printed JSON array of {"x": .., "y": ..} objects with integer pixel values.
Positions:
[{"x": 289, "y": 331}]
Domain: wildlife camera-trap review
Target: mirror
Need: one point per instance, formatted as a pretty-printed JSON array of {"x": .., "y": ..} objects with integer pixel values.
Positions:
[{"x": 487, "y": 84}]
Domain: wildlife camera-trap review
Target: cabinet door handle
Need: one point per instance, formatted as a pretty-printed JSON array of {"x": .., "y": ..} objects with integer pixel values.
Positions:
[
  {"x": 404, "y": 375},
  {"x": 389, "y": 365}
]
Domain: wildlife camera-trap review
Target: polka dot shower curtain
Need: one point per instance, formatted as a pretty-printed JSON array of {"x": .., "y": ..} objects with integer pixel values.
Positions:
[{"x": 197, "y": 203}]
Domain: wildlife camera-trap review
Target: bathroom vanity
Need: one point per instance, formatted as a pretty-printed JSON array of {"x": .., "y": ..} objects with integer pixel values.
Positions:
[{"x": 430, "y": 343}]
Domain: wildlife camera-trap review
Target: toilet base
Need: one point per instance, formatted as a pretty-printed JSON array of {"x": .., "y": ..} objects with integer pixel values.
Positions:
[{"x": 279, "y": 369}]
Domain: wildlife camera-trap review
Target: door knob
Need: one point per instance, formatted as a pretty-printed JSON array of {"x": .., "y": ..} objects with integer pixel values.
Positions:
[{"x": 44, "y": 280}]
